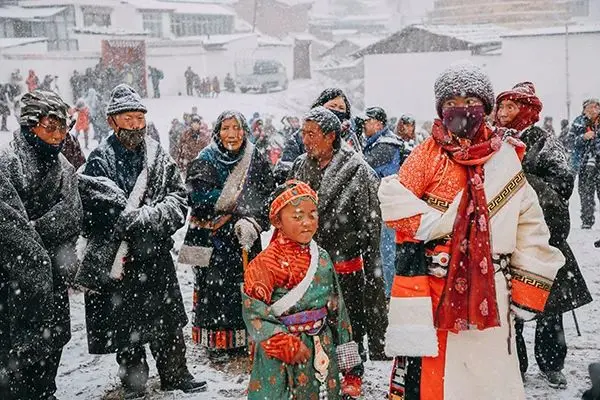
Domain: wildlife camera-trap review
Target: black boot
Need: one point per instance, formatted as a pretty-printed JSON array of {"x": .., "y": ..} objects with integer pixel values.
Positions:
[{"x": 187, "y": 384}]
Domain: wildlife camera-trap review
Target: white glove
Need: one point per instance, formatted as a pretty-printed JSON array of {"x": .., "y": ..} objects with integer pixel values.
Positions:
[{"x": 246, "y": 232}]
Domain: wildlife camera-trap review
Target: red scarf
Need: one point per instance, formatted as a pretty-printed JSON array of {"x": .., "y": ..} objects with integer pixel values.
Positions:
[{"x": 469, "y": 297}]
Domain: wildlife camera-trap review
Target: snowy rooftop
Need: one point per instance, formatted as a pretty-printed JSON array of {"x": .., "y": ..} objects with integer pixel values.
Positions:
[
  {"x": 205, "y": 9},
  {"x": 554, "y": 30},
  {"x": 6, "y": 43},
  {"x": 96, "y": 30},
  {"x": 16, "y": 12},
  {"x": 474, "y": 34},
  {"x": 292, "y": 3}
]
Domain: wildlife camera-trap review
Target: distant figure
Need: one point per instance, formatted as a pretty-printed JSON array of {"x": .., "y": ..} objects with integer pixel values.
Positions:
[
  {"x": 548, "y": 126},
  {"x": 4, "y": 108},
  {"x": 47, "y": 83},
  {"x": 229, "y": 83},
  {"x": 216, "y": 87},
  {"x": 76, "y": 84},
  {"x": 175, "y": 133},
  {"x": 32, "y": 81},
  {"x": 189, "y": 81},
  {"x": 156, "y": 75},
  {"x": 82, "y": 126},
  {"x": 152, "y": 132}
]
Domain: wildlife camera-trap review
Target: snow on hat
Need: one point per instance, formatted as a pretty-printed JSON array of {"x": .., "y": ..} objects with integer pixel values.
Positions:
[
  {"x": 589, "y": 101},
  {"x": 124, "y": 98},
  {"x": 325, "y": 119},
  {"x": 464, "y": 78},
  {"x": 524, "y": 93},
  {"x": 376, "y": 113},
  {"x": 41, "y": 103},
  {"x": 530, "y": 107}
]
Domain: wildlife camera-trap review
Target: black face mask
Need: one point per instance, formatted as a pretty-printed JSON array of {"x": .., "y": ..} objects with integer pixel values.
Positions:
[
  {"x": 131, "y": 138},
  {"x": 40, "y": 146},
  {"x": 342, "y": 115}
]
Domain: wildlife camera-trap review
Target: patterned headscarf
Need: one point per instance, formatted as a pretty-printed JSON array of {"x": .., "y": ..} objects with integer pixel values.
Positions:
[
  {"x": 530, "y": 105},
  {"x": 293, "y": 190}
]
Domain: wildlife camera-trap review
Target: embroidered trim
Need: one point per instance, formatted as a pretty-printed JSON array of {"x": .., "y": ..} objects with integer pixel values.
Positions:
[
  {"x": 507, "y": 193},
  {"x": 531, "y": 279},
  {"x": 516, "y": 183},
  {"x": 219, "y": 339}
]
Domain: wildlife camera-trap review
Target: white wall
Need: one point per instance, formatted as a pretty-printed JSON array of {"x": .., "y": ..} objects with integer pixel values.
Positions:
[{"x": 403, "y": 83}]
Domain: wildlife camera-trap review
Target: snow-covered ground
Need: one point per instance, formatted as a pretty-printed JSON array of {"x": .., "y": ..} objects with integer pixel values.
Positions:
[{"x": 86, "y": 377}]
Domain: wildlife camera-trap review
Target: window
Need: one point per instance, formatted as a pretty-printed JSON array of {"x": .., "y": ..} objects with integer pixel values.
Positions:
[
  {"x": 56, "y": 29},
  {"x": 152, "y": 22},
  {"x": 96, "y": 16},
  {"x": 200, "y": 25},
  {"x": 579, "y": 8}
]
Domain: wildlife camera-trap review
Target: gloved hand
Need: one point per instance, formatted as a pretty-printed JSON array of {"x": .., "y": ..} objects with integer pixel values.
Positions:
[
  {"x": 247, "y": 232},
  {"x": 124, "y": 221},
  {"x": 141, "y": 220}
]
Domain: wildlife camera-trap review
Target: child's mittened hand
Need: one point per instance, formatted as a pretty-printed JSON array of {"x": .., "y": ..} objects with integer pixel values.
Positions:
[
  {"x": 351, "y": 386},
  {"x": 246, "y": 233}
]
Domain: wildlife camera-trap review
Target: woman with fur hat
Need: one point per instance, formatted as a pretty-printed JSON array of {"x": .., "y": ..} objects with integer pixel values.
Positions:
[
  {"x": 228, "y": 186},
  {"x": 547, "y": 170},
  {"x": 472, "y": 250}
]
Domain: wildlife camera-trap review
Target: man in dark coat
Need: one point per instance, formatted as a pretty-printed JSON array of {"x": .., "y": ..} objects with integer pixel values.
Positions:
[
  {"x": 156, "y": 75},
  {"x": 384, "y": 152},
  {"x": 547, "y": 171},
  {"x": 41, "y": 220},
  {"x": 585, "y": 159},
  {"x": 335, "y": 101},
  {"x": 189, "y": 81},
  {"x": 134, "y": 201},
  {"x": 349, "y": 222}
]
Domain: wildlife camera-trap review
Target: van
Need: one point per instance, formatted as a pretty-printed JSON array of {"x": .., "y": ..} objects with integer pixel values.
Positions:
[{"x": 263, "y": 76}]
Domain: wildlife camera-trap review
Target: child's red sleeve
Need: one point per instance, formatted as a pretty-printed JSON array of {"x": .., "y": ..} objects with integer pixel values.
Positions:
[{"x": 259, "y": 281}]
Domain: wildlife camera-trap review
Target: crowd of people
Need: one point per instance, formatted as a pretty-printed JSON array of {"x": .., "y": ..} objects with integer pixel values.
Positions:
[
  {"x": 432, "y": 250},
  {"x": 203, "y": 87}
]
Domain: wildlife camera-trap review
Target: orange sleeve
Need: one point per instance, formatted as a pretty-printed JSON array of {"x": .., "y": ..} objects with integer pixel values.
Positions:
[
  {"x": 259, "y": 281},
  {"x": 416, "y": 174},
  {"x": 418, "y": 170},
  {"x": 282, "y": 346}
]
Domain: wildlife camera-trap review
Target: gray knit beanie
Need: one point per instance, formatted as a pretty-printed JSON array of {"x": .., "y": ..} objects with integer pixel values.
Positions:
[
  {"x": 463, "y": 78},
  {"x": 124, "y": 98}
]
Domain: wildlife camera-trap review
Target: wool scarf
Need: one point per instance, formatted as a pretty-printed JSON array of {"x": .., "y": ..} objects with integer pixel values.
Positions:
[{"x": 469, "y": 297}]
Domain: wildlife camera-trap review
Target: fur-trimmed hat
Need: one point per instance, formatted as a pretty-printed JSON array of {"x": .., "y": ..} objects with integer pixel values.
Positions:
[
  {"x": 38, "y": 104},
  {"x": 124, "y": 98},
  {"x": 464, "y": 78}
]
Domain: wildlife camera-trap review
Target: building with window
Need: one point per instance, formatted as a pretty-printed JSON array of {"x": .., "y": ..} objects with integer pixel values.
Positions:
[{"x": 514, "y": 13}]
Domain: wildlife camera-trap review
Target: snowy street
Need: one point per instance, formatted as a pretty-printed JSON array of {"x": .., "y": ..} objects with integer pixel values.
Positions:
[{"x": 84, "y": 376}]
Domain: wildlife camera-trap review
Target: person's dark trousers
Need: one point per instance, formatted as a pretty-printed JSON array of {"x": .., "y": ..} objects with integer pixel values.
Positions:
[
  {"x": 34, "y": 382},
  {"x": 156, "y": 91},
  {"x": 168, "y": 351},
  {"x": 353, "y": 289},
  {"x": 588, "y": 187},
  {"x": 3, "y": 124},
  {"x": 550, "y": 345},
  {"x": 189, "y": 89},
  {"x": 366, "y": 305}
]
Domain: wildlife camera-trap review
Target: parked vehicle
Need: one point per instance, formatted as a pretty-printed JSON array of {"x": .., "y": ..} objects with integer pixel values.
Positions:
[{"x": 261, "y": 76}]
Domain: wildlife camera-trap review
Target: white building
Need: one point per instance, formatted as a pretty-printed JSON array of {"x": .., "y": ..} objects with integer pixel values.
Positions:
[
  {"x": 402, "y": 82},
  {"x": 194, "y": 33}
]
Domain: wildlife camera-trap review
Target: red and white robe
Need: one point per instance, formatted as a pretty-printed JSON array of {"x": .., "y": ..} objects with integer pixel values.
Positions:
[{"x": 421, "y": 205}]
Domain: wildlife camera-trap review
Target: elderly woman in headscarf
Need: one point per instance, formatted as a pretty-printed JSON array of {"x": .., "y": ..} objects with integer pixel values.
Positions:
[
  {"x": 228, "y": 187},
  {"x": 335, "y": 101}
]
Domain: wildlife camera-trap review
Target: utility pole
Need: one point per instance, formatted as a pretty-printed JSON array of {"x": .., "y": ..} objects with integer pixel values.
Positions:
[
  {"x": 254, "y": 16},
  {"x": 567, "y": 71}
]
